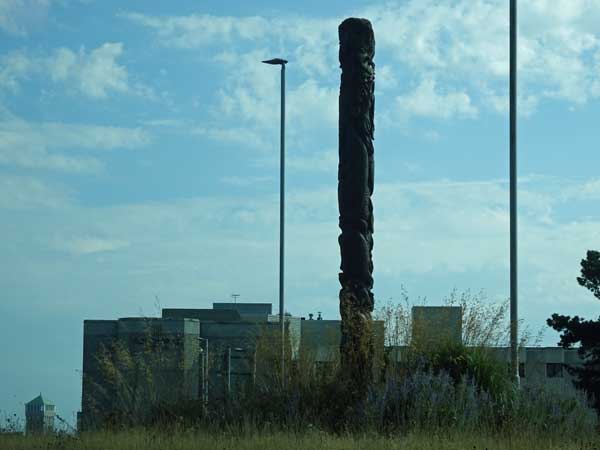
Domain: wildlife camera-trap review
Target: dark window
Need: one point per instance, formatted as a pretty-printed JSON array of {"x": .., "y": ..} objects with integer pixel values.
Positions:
[
  {"x": 554, "y": 370},
  {"x": 521, "y": 370}
]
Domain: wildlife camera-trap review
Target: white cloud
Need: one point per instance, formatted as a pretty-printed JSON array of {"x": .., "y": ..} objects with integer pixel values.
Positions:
[
  {"x": 93, "y": 136},
  {"x": 99, "y": 71},
  {"x": 20, "y": 192},
  {"x": 325, "y": 161},
  {"x": 457, "y": 43},
  {"x": 385, "y": 78},
  {"x": 13, "y": 68},
  {"x": 88, "y": 245},
  {"x": 466, "y": 42},
  {"x": 95, "y": 74},
  {"x": 63, "y": 63},
  {"x": 42, "y": 145},
  {"x": 313, "y": 105},
  {"x": 198, "y": 30},
  {"x": 238, "y": 181},
  {"x": 38, "y": 158},
  {"x": 166, "y": 123},
  {"x": 250, "y": 98},
  {"x": 308, "y": 41},
  {"x": 588, "y": 190},
  {"x": 246, "y": 137},
  {"x": 426, "y": 231},
  {"x": 422, "y": 229},
  {"x": 18, "y": 16},
  {"x": 444, "y": 35},
  {"x": 427, "y": 101}
]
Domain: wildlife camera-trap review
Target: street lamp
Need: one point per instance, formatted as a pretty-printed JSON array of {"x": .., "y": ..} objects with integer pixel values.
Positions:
[
  {"x": 282, "y": 63},
  {"x": 205, "y": 369}
]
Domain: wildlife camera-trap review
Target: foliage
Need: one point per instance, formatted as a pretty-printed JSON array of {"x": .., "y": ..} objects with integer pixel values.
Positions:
[
  {"x": 576, "y": 330},
  {"x": 590, "y": 272},
  {"x": 11, "y": 423},
  {"x": 587, "y": 333},
  {"x": 548, "y": 408}
]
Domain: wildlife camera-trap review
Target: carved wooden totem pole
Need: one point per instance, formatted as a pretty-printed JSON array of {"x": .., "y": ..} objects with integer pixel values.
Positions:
[{"x": 355, "y": 187}]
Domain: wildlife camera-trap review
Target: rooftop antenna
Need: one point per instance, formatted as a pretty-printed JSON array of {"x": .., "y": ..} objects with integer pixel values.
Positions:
[{"x": 234, "y": 297}]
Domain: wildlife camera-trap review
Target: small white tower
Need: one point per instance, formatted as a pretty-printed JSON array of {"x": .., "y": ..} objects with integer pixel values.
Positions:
[{"x": 39, "y": 416}]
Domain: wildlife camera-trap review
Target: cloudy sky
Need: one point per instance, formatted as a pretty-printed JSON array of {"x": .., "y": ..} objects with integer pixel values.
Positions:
[{"x": 139, "y": 162}]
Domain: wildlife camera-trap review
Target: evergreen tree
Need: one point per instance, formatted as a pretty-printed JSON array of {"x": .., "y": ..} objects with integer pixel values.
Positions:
[{"x": 585, "y": 332}]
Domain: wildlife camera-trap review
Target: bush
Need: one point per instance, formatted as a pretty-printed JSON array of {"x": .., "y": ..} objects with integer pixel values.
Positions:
[{"x": 552, "y": 409}]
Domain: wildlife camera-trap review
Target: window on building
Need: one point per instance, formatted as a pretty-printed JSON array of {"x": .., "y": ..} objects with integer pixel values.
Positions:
[
  {"x": 554, "y": 370},
  {"x": 521, "y": 370}
]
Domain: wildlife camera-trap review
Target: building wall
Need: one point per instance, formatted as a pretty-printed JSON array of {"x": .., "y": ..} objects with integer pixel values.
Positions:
[
  {"x": 436, "y": 324},
  {"x": 241, "y": 338},
  {"x": 176, "y": 374},
  {"x": 320, "y": 339},
  {"x": 257, "y": 312},
  {"x": 548, "y": 363},
  {"x": 293, "y": 330},
  {"x": 97, "y": 334}
]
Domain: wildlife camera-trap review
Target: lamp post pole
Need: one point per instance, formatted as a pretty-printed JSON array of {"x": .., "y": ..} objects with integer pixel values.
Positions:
[
  {"x": 282, "y": 63},
  {"x": 204, "y": 371},
  {"x": 513, "y": 192}
]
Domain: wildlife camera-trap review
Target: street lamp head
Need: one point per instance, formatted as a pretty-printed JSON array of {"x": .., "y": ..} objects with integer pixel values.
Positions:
[{"x": 276, "y": 61}]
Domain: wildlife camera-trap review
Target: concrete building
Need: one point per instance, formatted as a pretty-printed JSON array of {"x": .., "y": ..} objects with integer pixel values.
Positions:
[
  {"x": 169, "y": 348},
  {"x": 39, "y": 416},
  {"x": 204, "y": 354},
  {"x": 212, "y": 353},
  {"x": 230, "y": 333}
]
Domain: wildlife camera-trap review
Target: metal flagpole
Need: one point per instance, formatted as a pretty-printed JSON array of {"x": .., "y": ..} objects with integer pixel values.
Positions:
[{"x": 513, "y": 192}]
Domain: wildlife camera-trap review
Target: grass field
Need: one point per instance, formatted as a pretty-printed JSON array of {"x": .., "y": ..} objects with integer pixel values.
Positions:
[{"x": 188, "y": 440}]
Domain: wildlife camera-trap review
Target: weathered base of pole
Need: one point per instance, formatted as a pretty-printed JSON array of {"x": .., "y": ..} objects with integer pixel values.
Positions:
[{"x": 356, "y": 348}]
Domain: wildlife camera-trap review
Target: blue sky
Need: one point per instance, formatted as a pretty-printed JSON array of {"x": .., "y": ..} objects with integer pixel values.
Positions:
[{"x": 139, "y": 161}]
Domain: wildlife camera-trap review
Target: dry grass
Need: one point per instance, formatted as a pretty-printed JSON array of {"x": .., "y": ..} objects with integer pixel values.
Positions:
[{"x": 254, "y": 440}]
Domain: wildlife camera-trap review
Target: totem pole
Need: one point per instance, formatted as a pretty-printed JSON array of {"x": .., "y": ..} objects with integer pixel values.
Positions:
[{"x": 355, "y": 187}]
